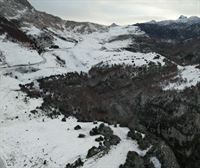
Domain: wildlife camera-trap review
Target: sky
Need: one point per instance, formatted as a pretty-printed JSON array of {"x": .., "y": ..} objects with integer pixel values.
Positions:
[{"x": 121, "y": 12}]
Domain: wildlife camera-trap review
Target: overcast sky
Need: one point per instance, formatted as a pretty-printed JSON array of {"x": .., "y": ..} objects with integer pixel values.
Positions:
[{"x": 118, "y": 11}]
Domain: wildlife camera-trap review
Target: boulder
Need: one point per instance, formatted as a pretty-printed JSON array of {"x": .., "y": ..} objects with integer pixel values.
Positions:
[{"x": 78, "y": 127}]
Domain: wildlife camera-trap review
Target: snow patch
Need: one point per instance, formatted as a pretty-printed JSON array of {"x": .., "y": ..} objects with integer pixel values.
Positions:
[
  {"x": 130, "y": 58},
  {"x": 117, "y": 44},
  {"x": 13, "y": 102},
  {"x": 63, "y": 43},
  {"x": 32, "y": 142},
  {"x": 189, "y": 75},
  {"x": 117, "y": 155},
  {"x": 16, "y": 54},
  {"x": 32, "y": 30},
  {"x": 155, "y": 162},
  {"x": 20, "y": 13}
]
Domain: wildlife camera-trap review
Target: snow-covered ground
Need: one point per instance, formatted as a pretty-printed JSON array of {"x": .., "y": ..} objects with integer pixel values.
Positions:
[
  {"x": 90, "y": 50},
  {"x": 118, "y": 154},
  {"x": 30, "y": 143},
  {"x": 187, "y": 76},
  {"x": 62, "y": 43},
  {"x": 95, "y": 48},
  {"x": 155, "y": 162},
  {"x": 12, "y": 100},
  {"x": 20, "y": 13},
  {"x": 31, "y": 30},
  {"x": 16, "y": 54}
]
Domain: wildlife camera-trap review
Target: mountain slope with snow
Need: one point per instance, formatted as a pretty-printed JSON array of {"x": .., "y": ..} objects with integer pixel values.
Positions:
[{"x": 138, "y": 76}]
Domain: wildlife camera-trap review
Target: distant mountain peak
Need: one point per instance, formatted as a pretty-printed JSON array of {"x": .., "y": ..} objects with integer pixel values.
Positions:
[
  {"x": 25, "y": 3},
  {"x": 189, "y": 20},
  {"x": 152, "y": 21},
  {"x": 113, "y": 25},
  {"x": 182, "y": 17}
]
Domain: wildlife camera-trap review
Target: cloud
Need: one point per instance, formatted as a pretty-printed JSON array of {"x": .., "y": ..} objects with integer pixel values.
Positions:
[{"x": 118, "y": 11}]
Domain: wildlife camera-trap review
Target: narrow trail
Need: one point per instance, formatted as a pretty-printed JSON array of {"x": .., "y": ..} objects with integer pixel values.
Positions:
[{"x": 37, "y": 63}]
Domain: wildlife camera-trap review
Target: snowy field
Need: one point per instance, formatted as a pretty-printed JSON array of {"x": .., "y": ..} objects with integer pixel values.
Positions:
[
  {"x": 90, "y": 50},
  {"x": 31, "y": 30},
  {"x": 30, "y": 143}
]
